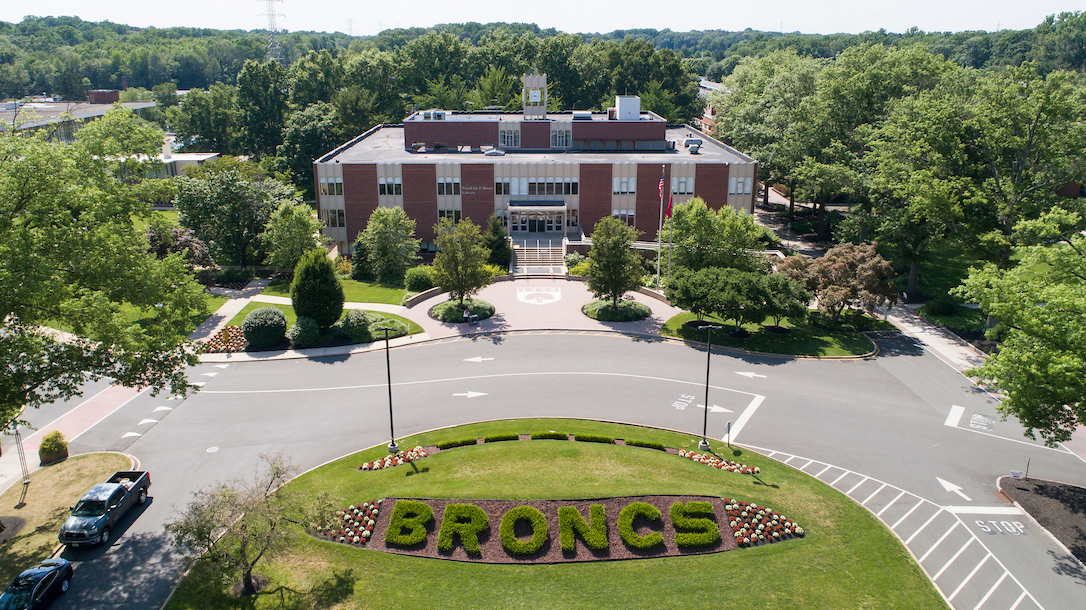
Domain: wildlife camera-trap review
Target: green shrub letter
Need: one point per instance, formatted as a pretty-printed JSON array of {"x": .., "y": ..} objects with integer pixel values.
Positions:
[
  {"x": 697, "y": 518},
  {"x": 407, "y": 525},
  {"x": 509, "y": 538},
  {"x": 593, "y": 533},
  {"x": 466, "y": 521},
  {"x": 626, "y": 518}
]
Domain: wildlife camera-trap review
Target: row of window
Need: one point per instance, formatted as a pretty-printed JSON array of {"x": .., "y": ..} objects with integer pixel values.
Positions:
[
  {"x": 626, "y": 216},
  {"x": 740, "y": 186},
  {"x": 682, "y": 186},
  {"x": 333, "y": 218},
  {"x": 331, "y": 186},
  {"x": 508, "y": 138},
  {"x": 560, "y": 139},
  {"x": 389, "y": 186},
  {"x": 448, "y": 186},
  {"x": 624, "y": 186},
  {"x": 536, "y": 186},
  {"x": 454, "y": 214}
]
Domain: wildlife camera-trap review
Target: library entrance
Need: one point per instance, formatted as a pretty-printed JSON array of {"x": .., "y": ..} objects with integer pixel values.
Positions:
[{"x": 538, "y": 217}]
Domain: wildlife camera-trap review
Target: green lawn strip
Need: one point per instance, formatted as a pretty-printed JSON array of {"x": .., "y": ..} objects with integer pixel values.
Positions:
[
  {"x": 52, "y": 490},
  {"x": 804, "y": 339},
  {"x": 848, "y": 559},
  {"x": 288, "y": 311},
  {"x": 353, "y": 291}
]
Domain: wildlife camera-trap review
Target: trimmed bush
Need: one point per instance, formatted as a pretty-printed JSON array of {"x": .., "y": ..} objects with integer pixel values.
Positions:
[
  {"x": 264, "y": 327},
  {"x": 53, "y": 443},
  {"x": 594, "y": 438},
  {"x": 494, "y": 438},
  {"x": 507, "y": 530},
  {"x": 554, "y": 436},
  {"x": 356, "y": 325},
  {"x": 462, "y": 442},
  {"x": 452, "y": 311},
  {"x": 698, "y": 518},
  {"x": 495, "y": 270},
  {"x": 627, "y": 311},
  {"x": 419, "y": 279},
  {"x": 407, "y": 525},
  {"x": 592, "y": 532},
  {"x": 378, "y": 322},
  {"x": 464, "y": 521},
  {"x": 646, "y": 444},
  {"x": 316, "y": 292},
  {"x": 304, "y": 332},
  {"x": 626, "y": 518},
  {"x": 581, "y": 269},
  {"x": 573, "y": 259}
]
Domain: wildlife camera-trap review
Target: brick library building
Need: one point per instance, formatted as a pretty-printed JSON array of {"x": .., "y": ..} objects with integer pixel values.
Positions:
[{"x": 547, "y": 175}]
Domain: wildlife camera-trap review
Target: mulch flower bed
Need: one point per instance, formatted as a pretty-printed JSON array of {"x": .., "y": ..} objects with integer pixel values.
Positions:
[
  {"x": 753, "y": 525},
  {"x": 352, "y": 525},
  {"x": 229, "y": 339},
  {"x": 718, "y": 462},
  {"x": 1058, "y": 507}
]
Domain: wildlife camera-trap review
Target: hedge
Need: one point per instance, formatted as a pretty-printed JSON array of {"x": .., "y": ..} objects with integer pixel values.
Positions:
[
  {"x": 304, "y": 333},
  {"x": 698, "y": 517},
  {"x": 554, "y": 436},
  {"x": 465, "y": 521},
  {"x": 494, "y": 438},
  {"x": 626, "y": 518},
  {"x": 460, "y": 442},
  {"x": 508, "y": 535},
  {"x": 356, "y": 325},
  {"x": 593, "y": 438},
  {"x": 593, "y": 532},
  {"x": 646, "y": 444},
  {"x": 264, "y": 327},
  {"x": 407, "y": 525}
]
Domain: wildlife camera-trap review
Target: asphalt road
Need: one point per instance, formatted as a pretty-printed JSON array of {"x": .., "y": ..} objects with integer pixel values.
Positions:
[{"x": 882, "y": 430}]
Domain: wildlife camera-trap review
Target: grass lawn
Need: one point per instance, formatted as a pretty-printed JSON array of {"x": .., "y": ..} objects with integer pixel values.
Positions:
[
  {"x": 288, "y": 311},
  {"x": 847, "y": 560},
  {"x": 134, "y": 314},
  {"x": 805, "y": 339},
  {"x": 52, "y": 490},
  {"x": 353, "y": 291}
]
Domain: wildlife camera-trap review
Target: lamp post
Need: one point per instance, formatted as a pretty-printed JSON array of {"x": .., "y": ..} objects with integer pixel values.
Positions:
[
  {"x": 703, "y": 444},
  {"x": 392, "y": 448}
]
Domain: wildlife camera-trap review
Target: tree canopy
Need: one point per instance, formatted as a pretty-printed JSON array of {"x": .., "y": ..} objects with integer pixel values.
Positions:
[
  {"x": 72, "y": 257},
  {"x": 386, "y": 248},
  {"x": 460, "y": 265},
  {"x": 614, "y": 268}
]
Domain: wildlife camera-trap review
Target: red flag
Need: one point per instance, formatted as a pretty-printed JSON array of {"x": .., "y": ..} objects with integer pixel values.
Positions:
[{"x": 671, "y": 199}]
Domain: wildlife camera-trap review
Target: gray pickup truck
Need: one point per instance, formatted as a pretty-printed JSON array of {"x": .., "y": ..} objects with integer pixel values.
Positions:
[{"x": 103, "y": 505}]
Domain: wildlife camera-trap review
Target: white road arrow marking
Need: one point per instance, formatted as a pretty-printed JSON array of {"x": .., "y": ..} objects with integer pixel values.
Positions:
[
  {"x": 751, "y": 375},
  {"x": 163, "y": 409},
  {"x": 128, "y": 434},
  {"x": 470, "y": 394},
  {"x": 147, "y": 421},
  {"x": 209, "y": 374},
  {"x": 947, "y": 485},
  {"x": 476, "y": 359},
  {"x": 715, "y": 409}
]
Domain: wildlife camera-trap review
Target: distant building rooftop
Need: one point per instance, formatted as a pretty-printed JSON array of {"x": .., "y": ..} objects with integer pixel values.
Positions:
[{"x": 38, "y": 114}]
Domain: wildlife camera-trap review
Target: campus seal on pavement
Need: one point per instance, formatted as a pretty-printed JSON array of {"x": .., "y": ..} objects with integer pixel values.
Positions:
[{"x": 539, "y": 295}]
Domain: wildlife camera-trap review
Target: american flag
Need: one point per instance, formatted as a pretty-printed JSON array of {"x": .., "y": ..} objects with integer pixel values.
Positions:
[{"x": 661, "y": 185}]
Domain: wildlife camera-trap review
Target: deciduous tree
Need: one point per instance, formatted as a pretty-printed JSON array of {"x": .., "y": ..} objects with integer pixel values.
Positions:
[
  {"x": 291, "y": 232},
  {"x": 386, "y": 248},
  {"x": 851, "y": 275},
  {"x": 706, "y": 238},
  {"x": 460, "y": 265},
  {"x": 614, "y": 267}
]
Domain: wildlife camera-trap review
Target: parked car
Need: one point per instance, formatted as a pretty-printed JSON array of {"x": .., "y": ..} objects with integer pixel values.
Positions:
[
  {"x": 38, "y": 586},
  {"x": 102, "y": 506}
]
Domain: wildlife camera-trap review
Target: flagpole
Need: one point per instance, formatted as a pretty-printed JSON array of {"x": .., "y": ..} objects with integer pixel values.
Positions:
[
  {"x": 660, "y": 230},
  {"x": 670, "y": 233}
]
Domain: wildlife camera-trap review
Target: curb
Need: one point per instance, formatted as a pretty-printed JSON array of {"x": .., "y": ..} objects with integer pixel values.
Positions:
[{"x": 1060, "y": 544}]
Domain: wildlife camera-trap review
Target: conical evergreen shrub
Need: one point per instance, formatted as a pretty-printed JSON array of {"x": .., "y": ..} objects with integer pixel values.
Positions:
[{"x": 316, "y": 292}]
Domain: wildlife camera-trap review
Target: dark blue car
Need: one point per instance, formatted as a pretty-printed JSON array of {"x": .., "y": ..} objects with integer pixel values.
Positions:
[{"x": 36, "y": 587}]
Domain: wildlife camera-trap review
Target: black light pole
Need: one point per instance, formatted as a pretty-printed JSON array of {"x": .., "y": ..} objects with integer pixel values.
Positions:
[
  {"x": 703, "y": 444},
  {"x": 392, "y": 448}
]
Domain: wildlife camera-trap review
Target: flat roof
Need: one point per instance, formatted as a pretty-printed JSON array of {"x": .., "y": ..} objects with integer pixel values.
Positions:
[
  {"x": 36, "y": 114},
  {"x": 460, "y": 116},
  {"x": 386, "y": 145}
]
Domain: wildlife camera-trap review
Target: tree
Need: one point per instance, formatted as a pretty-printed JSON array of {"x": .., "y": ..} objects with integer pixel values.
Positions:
[
  {"x": 851, "y": 275},
  {"x": 690, "y": 290},
  {"x": 785, "y": 298},
  {"x": 165, "y": 238},
  {"x": 229, "y": 212},
  {"x": 460, "y": 265},
  {"x": 262, "y": 106},
  {"x": 705, "y": 238},
  {"x": 232, "y": 526},
  {"x": 614, "y": 267},
  {"x": 387, "y": 247},
  {"x": 1040, "y": 367},
  {"x": 737, "y": 295},
  {"x": 308, "y": 134},
  {"x": 70, "y": 254},
  {"x": 495, "y": 240},
  {"x": 206, "y": 120},
  {"x": 316, "y": 291},
  {"x": 292, "y": 231}
]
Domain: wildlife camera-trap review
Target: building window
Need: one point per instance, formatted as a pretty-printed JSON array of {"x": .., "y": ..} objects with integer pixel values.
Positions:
[
  {"x": 731, "y": 185},
  {"x": 550, "y": 186},
  {"x": 508, "y": 138},
  {"x": 533, "y": 187},
  {"x": 571, "y": 218},
  {"x": 381, "y": 188},
  {"x": 574, "y": 187},
  {"x": 398, "y": 187},
  {"x": 626, "y": 216},
  {"x": 624, "y": 186},
  {"x": 740, "y": 186},
  {"x": 501, "y": 187},
  {"x": 454, "y": 214},
  {"x": 324, "y": 186},
  {"x": 339, "y": 186},
  {"x": 682, "y": 186},
  {"x": 448, "y": 186},
  {"x": 339, "y": 215}
]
